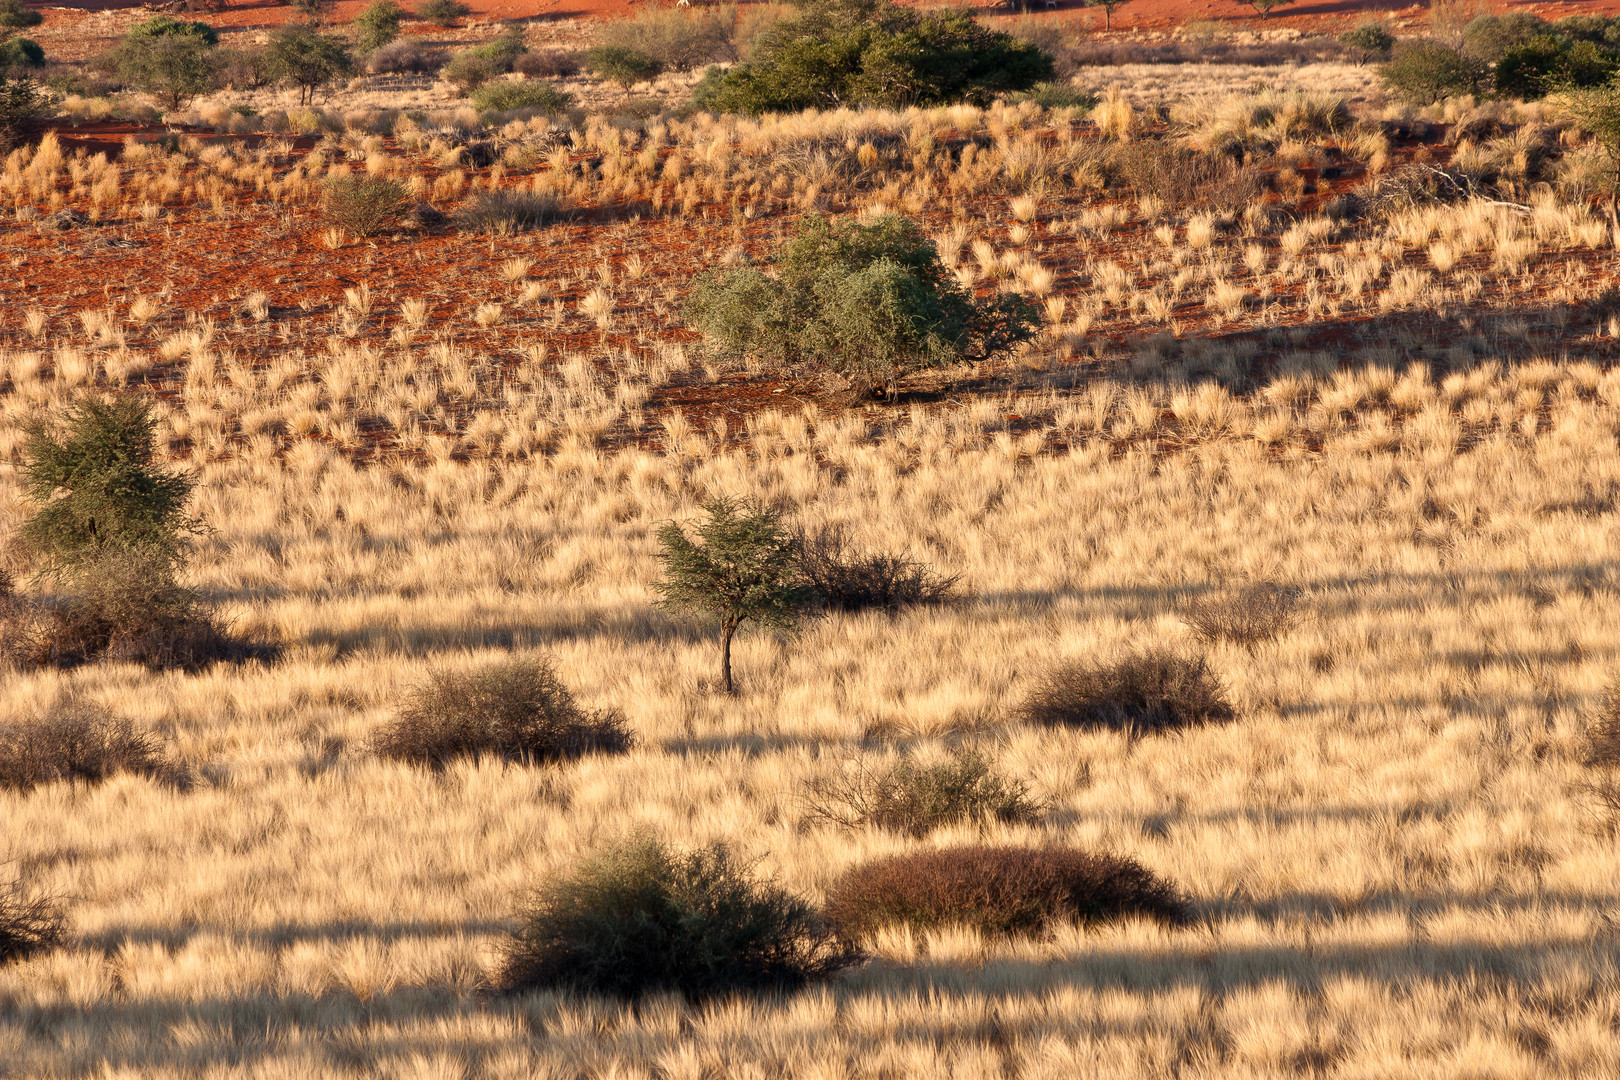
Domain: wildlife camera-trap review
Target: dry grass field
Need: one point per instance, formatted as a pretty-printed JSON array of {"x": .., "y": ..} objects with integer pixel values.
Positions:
[{"x": 436, "y": 449}]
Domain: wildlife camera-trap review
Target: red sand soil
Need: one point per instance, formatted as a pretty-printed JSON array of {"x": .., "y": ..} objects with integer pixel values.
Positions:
[{"x": 1133, "y": 15}]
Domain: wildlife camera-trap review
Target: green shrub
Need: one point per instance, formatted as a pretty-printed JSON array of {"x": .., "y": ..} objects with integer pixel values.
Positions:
[
  {"x": 504, "y": 213},
  {"x": 849, "y": 579},
  {"x": 517, "y": 711},
  {"x": 505, "y": 95},
  {"x": 442, "y": 12},
  {"x": 96, "y": 488},
  {"x": 997, "y": 890},
  {"x": 76, "y": 743},
  {"x": 627, "y": 67},
  {"x": 20, "y": 106},
  {"x": 468, "y": 71},
  {"x": 504, "y": 49},
  {"x": 744, "y": 570},
  {"x": 15, "y": 15},
  {"x": 20, "y": 52},
  {"x": 676, "y": 39},
  {"x": 875, "y": 53},
  {"x": 29, "y": 925},
  {"x": 363, "y": 206},
  {"x": 301, "y": 55},
  {"x": 1371, "y": 38},
  {"x": 1424, "y": 72},
  {"x": 1142, "y": 692},
  {"x": 377, "y": 25},
  {"x": 639, "y": 918},
  {"x": 176, "y": 65},
  {"x": 1489, "y": 37},
  {"x": 162, "y": 26},
  {"x": 1538, "y": 67},
  {"x": 917, "y": 799},
  {"x": 869, "y": 302}
]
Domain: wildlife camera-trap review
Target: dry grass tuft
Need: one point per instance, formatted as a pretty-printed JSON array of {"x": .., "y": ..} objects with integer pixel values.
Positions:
[
  {"x": 997, "y": 890},
  {"x": 916, "y": 798},
  {"x": 518, "y": 711},
  {"x": 639, "y": 918},
  {"x": 76, "y": 742},
  {"x": 1142, "y": 692},
  {"x": 1248, "y": 616}
]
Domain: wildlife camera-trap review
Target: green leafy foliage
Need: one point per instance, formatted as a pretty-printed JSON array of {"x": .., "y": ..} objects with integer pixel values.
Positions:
[
  {"x": 1489, "y": 37},
  {"x": 173, "y": 60},
  {"x": 742, "y": 569},
  {"x": 504, "y": 49},
  {"x": 623, "y": 65},
  {"x": 1423, "y": 72},
  {"x": 442, "y": 12},
  {"x": 997, "y": 890},
  {"x": 377, "y": 24},
  {"x": 468, "y": 71},
  {"x": 1370, "y": 37},
  {"x": 300, "y": 55},
  {"x": 639, "y": 918},
  {"x": 914, "y": 798},
  {"x": 96, "y": 488},
  {"x": 874, "y": 53},
  {"x": 518, "y": 711},
  {"x": 1596, "y": 110},
  {"x": 1543, "y": 64},
  {"x": 21, "y": 52},
  {"x": 870, "y": 302},
  {"x": 527, "y": 94}
]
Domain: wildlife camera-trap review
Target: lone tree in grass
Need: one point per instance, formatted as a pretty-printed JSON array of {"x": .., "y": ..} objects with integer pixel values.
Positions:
[
  {"x": 1264, "y": 7},
  {"x": 744, "y": 569},
  {"x": 1108, "y": 7},
  {"x": 300, "y": 55},
  {"x": 623, "y": 65}
]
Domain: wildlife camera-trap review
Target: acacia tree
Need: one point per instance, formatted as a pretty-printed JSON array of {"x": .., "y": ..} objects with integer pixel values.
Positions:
[
  {"x": 744, "y": 570},
  {"x": 308, "y": 59},
  {"x": 1264, "y": 7},
  {"x": 1108, "y": 7}
]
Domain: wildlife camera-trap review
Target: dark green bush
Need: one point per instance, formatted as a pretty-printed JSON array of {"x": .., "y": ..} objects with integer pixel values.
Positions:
[
  {"x": 1056, "y": 95},
  {"x": 622, "y": 65},
  {"x": 506, "y": 95},
  {"x": 848, "y": 579},
  {"x": 17, "y": 53},
  {"x": 1142, "y": 692},
  {"x": 96, "y": 488},
  {"x": 504, "y": 213},
  {"x": 77, "y": 743},
  {"x": 29, "y": 925},
  {"x": 377, "y": 25},
  {"x": 875, "y": 53},
  {"x": 997, "y": 890},
  {"x": 301, "y": 55},
  {"x": 162, "y": 26},
  {"x": 15, "y": 15},
  {"x": 917, "y": 799},
  {"x": 517, "y": 711},
  {"x": 363, "y": 206},
  {"x": 20, "y": 106},
  {"x": 639, "y": 918},
  {"x": 869, "y": 302},
  {"x": 1489, "y": 37},
  {"x": 1544, "y": 64},
  {"x": 1424, "y": 72},
  {"x": 442, "y": 12}
]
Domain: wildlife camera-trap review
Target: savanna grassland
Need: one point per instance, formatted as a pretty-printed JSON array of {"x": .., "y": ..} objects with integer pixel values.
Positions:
[{"x": 1369, "y": 363}]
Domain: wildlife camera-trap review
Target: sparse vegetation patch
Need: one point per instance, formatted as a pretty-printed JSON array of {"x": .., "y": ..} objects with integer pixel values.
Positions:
[{"x": 1142, "y": 692}]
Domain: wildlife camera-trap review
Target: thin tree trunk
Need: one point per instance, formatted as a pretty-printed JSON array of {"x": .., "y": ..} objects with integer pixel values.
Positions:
[{"x": 725, "y": 655}]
